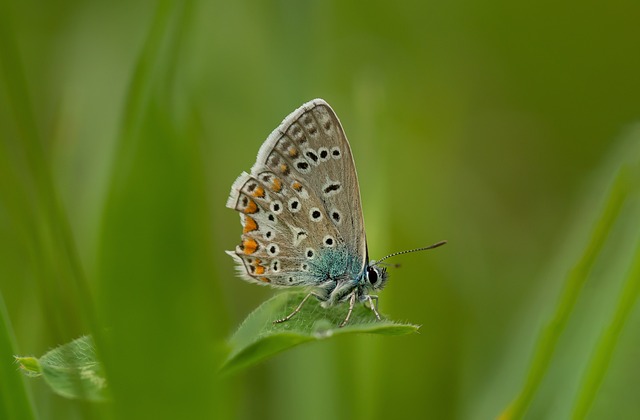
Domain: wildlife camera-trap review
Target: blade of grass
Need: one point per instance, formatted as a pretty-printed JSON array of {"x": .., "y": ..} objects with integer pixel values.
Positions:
[
  {"x": 550, "y": 334},
  {"x": 154, "y": 259},
  {"x": 137, "y": 102},
  {"x": 15, "y": 402},
  {"x": 604, "y": 350},
  {"x": 33, "y": 204},
  {"x": 606, "y": 345},
  {"x": 36, "y": 217}
]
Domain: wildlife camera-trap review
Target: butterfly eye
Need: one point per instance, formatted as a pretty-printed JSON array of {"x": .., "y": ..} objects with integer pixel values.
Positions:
[
  {"x": 372, "y": 276},
  {"x": 377, "y": 277}
]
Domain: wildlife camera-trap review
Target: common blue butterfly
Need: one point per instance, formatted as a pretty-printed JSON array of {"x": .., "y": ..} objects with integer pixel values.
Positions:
[{"x": 301, "y": 214}]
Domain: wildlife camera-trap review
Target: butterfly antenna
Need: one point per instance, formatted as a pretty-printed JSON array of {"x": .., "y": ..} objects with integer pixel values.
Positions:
[{"x": 437, "y": 244}]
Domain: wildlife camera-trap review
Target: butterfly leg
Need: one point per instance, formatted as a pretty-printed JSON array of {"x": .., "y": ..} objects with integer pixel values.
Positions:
[
  {"x": 352, "y": 302},
  {"x": 374, "y": 308},
  {"x": 295, "y": 311}
]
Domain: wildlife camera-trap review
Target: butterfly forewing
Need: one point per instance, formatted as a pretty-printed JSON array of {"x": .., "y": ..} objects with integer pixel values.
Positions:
[{"x": 301, "y": 197}]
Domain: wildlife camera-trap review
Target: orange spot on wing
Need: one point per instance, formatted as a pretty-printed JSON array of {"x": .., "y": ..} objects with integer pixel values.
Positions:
[
  {"x": 249, "y": 225},
  {"x": 259, "y": 270},
  {"x": 284, "y": 168},
  {"x": 249, "y": 246},
  {"x": 293, "y": 152},
  {"x": 251, "y": 208},
  {"x": 297, "y": 186},
  {"x": 258, "y": 192},
  {"x": 264, "y": 279},
  {"x": 276, "y": 185}
]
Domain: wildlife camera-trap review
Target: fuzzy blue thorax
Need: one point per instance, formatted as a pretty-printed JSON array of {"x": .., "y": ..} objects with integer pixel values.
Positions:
[{"x": 336, "y": 272}]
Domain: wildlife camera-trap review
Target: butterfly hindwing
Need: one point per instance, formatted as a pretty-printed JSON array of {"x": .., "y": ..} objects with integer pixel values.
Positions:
[{"x": 277, "y": 233}]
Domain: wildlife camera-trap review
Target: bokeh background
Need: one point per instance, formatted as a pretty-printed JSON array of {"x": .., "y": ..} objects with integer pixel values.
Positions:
[{"x": 495, "y": 125}]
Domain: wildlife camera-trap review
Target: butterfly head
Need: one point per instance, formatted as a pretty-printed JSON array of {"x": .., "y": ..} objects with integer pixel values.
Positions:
[{"x": 376, "y": 277}]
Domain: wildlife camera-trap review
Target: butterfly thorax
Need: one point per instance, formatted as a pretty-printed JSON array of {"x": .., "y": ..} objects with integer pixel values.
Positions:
[
  {"x": 337, "y": 272},
  {"x": 334, "y": 273}
]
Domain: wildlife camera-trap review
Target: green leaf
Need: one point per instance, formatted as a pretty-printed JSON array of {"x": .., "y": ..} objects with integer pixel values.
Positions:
[
  {"x": 258, "y": 338},
  {"x": 29, "y": 365},
  {"x": 71, "y": 370}
]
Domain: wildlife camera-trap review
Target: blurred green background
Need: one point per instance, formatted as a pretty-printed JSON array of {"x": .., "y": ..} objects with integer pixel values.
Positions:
[{"x": 492, "y": 124}]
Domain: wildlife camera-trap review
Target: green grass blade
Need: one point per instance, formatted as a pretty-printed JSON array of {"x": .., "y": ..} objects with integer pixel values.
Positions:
[
  {"x": 258, "y": 338},
  {"x": 31, "y": 199},
  {"x": 609, "y": 339},
  {"x": 604, "y": 350},
  {"x": 14, "y": 399},
  {"x": 550, "y": 335},
  {"x": 155, "y": 259}
]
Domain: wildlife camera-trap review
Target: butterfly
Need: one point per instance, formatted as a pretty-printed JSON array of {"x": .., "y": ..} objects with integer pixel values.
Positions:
[{"x": 301, "y": 215}]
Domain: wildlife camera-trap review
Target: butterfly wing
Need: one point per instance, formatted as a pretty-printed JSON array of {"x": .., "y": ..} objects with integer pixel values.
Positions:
[{"x": 300, "y": 200}]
